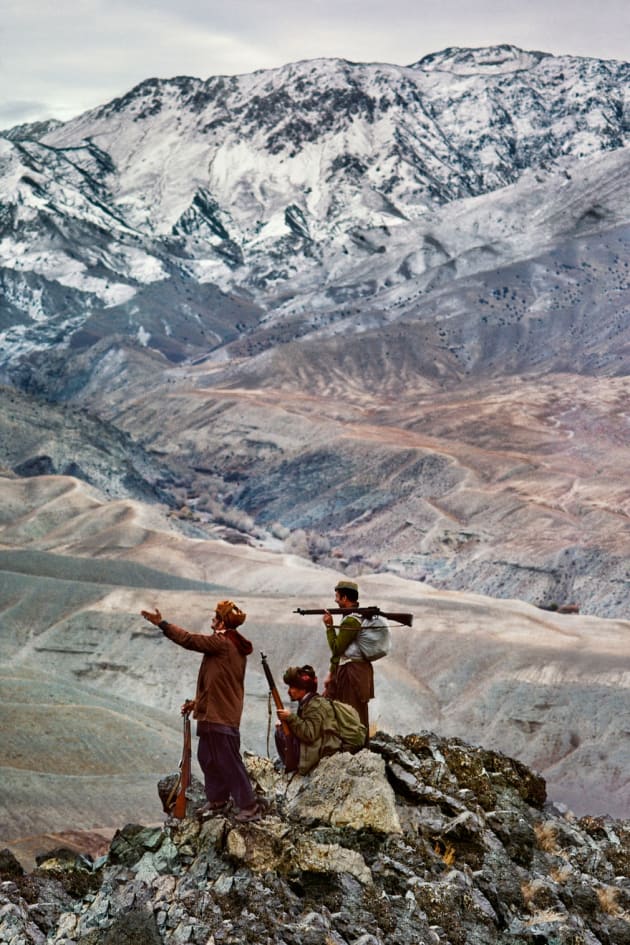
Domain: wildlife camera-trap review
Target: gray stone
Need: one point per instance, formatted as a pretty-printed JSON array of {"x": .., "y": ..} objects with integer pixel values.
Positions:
[
  {"x": 345, "y": 791},
  {"x": 303, "y": 875}
]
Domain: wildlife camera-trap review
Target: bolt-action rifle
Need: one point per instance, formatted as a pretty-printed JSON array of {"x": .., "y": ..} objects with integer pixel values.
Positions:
[
  {"x": 178, "y": 795},
  {"x": 275, "y": 695},
  {"x": 372, "y": 611}
]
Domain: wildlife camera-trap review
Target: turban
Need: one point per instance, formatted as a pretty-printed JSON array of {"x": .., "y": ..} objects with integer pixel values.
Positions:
[{"x": 229, "y": 614}]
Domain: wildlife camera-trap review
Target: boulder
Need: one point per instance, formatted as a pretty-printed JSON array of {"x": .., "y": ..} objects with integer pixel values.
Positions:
[{"x": 345, "y": 791}]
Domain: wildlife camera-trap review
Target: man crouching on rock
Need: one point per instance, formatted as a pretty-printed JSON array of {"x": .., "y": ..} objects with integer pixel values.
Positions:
[
  {"x": 312, "y": 728},
  {"x": 218, "y": 706}
]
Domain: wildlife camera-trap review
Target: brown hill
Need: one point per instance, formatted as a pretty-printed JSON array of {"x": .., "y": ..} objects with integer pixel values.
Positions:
[{"x": 90, "y": 692}]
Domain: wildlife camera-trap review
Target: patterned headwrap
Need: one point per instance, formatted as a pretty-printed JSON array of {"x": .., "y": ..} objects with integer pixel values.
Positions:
[{"x": 229, "y": 614}]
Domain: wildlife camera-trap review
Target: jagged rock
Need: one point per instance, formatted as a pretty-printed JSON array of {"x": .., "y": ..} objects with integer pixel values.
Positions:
[
  {"x": 515, "y": 833},
  {"x": 261, "y": 847},
  {"x": 10, "y": 866},
  {"x": 31, "y": 906},
  {"x": 613, "y": 838},
  {"x": 269, "y": 781},
  {"x": 331, "y": 858},
  {"x": 547, "y": 929},
  {"x": 448, "y": 764},
  {"x": 129, "y": 844},
  {"x": 164, "y": 860},
  {"x": 446, "y": 871},
  {"x": 466, "y": 831},
  {"x": 195, "y": 794},
  {"x": 274, "y": 845},
  {"x": 137, "y": 927}
]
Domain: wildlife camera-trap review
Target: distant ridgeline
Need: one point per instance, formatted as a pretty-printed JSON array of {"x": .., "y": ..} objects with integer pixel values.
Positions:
[
  {"x": 97, "y": 571},
  {"x": 319, "y": 166}
]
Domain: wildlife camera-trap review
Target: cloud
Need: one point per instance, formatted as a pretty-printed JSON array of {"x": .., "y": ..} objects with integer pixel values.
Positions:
[
  {"x": 85, "y": 54},
  {"x": 19, "y": 111},
  {"x": 77, "y": 54}
]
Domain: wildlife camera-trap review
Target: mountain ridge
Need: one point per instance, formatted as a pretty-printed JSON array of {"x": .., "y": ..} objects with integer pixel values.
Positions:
[
  {"x": 384, "y": 240},
  {"x": 321, "y": 165}
]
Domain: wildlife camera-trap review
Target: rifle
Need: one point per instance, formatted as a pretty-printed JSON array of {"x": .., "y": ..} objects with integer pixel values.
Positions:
[
  {"x": 372, "y": 611},
  {"x": 179, "y": 804},
  {"x": 274, "y": 692}
]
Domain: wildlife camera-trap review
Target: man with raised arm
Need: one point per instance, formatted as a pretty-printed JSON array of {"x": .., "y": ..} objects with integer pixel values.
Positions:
[{"x": 218, "y": 706}]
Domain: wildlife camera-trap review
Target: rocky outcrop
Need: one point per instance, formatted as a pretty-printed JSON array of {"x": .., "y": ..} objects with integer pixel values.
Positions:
[
  {"x": 42, "y": 439},
  {"x": 419, "y": 839}
]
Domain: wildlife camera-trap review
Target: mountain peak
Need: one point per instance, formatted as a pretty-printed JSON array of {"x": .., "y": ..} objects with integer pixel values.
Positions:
[
  {"x": 485, "y": 60},
  {"x": 31, "y": 130}
]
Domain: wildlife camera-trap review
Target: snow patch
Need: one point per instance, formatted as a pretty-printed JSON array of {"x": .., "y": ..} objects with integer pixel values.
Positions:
[
  {"x": 141, "y": 266},
  {"x": 143, "y": 336}
]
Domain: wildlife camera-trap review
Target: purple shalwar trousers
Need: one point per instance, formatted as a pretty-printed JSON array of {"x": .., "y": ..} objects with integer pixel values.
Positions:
[{"x": 219, "y": 756}]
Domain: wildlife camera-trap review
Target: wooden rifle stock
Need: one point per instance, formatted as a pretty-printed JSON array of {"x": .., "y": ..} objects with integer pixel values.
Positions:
[
  {"x": 275, "y": 695},
  {"x": 372, "y": 611},
  {"x": 179, "y": 805}
]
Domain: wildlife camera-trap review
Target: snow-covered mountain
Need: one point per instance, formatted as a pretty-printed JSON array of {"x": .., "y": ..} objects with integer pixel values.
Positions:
[
  {"x": 381, "y": 310},
  {"x": 187, "y": 213}
]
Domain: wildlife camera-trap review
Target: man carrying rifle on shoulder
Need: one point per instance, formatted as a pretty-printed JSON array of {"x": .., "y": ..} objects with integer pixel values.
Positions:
[{"x": 351, "y": 677}]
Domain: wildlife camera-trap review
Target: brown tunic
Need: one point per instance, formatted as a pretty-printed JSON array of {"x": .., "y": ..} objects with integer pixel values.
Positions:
[
  {"x": 352, "y": 680},
  {"x": 353, "y": 683},
  {"x": 221, "y": 678}
]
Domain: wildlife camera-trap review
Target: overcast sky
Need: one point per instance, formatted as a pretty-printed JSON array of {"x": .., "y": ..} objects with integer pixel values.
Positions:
[{"x": 61, "y": 57}]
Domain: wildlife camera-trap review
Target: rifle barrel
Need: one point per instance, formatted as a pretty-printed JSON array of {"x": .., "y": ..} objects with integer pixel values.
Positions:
[
  {"x": 372, "y": 611},
  {"x": 179, "y": 806},
  {"x": 275, "y": 695}
]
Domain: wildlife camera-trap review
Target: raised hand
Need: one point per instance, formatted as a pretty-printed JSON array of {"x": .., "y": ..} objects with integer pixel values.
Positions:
[{"x": 152, "y": 618}]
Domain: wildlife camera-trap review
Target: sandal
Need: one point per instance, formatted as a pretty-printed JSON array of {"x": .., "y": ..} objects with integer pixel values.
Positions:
[{"x": 248, "y": 814}]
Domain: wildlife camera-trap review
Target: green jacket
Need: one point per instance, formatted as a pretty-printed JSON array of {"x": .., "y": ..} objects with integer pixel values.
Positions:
[
  {"x": 344, "y": 643},
  {"x": 314, "y": 726}
]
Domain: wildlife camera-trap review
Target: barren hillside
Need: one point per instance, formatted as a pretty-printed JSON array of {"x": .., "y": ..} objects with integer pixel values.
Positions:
[{"x": 91, "y": 693}]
